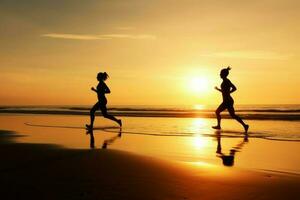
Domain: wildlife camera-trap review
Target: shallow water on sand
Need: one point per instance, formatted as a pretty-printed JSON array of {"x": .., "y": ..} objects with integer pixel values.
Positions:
[{"x": 270, "y": 145}]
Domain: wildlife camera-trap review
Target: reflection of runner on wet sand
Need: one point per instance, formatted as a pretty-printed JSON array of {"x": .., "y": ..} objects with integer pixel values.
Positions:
[
  {"x": 228, "y": 160},
  {"x": 92, "y": 139},
  {"x": 106, "y": 142},
  {"x": 111, "y": 140}
]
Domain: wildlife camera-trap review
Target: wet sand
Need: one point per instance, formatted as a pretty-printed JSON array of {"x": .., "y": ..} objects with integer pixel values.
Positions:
[
  {"x": 57, "y": 163},
  {"x": 41, "y": 171},
  {"x": 173, "y": 139}
]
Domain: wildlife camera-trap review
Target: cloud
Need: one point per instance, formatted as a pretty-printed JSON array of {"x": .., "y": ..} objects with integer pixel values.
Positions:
[
  {"x": 265, "y": 55},
  {"x": 99, "y": 37}
]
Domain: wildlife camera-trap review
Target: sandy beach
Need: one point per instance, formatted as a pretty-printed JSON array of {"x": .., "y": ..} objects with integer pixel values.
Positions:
[{"x": 37, "y": 170}]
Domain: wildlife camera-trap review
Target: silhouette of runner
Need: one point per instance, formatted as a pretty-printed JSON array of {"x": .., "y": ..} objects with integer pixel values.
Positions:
[
  {"x": 101, "y": 90},
  {"x": 227, "y": 88}
]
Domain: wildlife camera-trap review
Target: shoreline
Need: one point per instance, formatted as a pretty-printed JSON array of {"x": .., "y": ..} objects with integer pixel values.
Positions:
[{"x": 249, "y": 116}]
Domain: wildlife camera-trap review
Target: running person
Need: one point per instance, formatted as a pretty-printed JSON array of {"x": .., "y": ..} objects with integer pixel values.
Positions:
[
  {"x": 101, "y": 90},
  {"x": 227, "y": 88}
]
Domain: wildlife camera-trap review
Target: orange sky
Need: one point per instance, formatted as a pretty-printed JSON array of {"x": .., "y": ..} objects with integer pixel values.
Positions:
[{"x": 51, "y": 51}]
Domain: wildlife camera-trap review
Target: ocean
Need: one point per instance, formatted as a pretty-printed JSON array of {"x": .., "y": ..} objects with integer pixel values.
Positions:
[{"x": 253, "y": 112}]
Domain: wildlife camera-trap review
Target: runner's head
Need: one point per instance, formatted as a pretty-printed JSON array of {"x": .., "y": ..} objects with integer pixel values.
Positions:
[
  {"x": 102, "y": 76},
  {"x": 224, "y": 72}
]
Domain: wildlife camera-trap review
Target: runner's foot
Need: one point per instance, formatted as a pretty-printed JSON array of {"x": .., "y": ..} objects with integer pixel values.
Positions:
[
  {"x": 216, "y": 127},
  {"x": 89, "y": 129},
  {"x": 88, "y": 126}
]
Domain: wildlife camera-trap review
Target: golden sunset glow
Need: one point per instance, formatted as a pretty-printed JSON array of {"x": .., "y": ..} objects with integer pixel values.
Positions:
[
  {"x": 150, "y": 99},
  {"x": 199, "y": 142},
  {"x": 52, "y": 56},
  {"x": 199, "y": 107},
  {"x": 199, "y": 84},
  {"x": 198, "y": 123}
]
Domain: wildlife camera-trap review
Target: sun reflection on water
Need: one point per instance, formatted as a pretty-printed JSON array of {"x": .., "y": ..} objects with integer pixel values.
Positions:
[
  {"x": 197, "y": 127},
  {"x": 199, "y": 107},
  {"x": 198, "y": 123},
  {"x": 199, "y": 142}
]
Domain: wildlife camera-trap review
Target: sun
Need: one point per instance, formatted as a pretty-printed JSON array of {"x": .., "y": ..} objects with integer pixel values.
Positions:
[{"x": 198, "y": 84}]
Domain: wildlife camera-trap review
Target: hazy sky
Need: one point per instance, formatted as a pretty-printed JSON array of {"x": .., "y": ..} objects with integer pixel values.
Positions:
[{"x": 52, "y": 50}]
